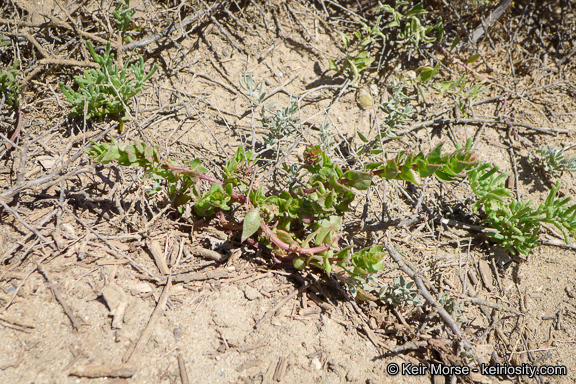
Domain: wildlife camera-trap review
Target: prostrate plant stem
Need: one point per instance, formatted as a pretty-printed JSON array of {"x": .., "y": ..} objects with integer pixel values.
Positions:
[{"x": 308, "y": 217}]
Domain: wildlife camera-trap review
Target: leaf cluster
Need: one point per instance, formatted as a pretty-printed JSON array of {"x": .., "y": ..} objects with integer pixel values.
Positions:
[
  {"x": 552, "y": 161},
  {"x": 518, "y": 222},
  {"x": 411, "y": 28},
  {"x": 181, "y": 184},
  {"x": 358, "y": 52},
  {"x": 464, "y": 96},
  {"x": 10, "y": 87},
  {"x": 307, "y": 217},
  {"x": 123, "y": 15},
  {"x": 108, "y": 90},
  {"x": 446, "y": 167},
  {"x": 401, "y": 293},
  {"x": 254, "y": 90},
  {"x": 354, "y": 62}
]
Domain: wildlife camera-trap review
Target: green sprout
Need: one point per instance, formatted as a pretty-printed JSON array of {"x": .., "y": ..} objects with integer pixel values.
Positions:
[{"x": 10, "y": 87}]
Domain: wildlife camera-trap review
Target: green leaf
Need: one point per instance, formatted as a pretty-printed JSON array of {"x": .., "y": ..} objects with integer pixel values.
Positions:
[
  {"x": 299, "y": 263},
  {"x": 332, "y": 65},
  {"x": 473, "y": 58},
  {"x": 427, "y": 73},
  {"x": 282, "y": 235},
  {"x": 416, "y": 10},
  {"x": 455, "y": 43},
  {"x": 251, "y": 224},
  {"x": 362, "y": 137},
  {"x": 359, "y": 180}
]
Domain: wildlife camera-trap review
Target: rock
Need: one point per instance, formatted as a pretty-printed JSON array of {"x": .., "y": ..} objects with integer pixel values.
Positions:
[
  {"x": 316, "y": 364},
  {"x": 251, "y": 293}
]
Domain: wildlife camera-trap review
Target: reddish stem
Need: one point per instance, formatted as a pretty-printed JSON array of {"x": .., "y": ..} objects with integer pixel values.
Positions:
[
  {"x": 226, "y": 224},
  {"x": 236, "y": 196},
  {"x": 310, "y": 190},
  {"x": 201, "y": 176},
  {"x": 282, "y": 245}
]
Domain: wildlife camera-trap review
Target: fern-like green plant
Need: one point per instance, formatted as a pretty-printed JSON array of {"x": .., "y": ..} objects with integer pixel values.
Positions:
[
  {"x": 107, "y": 91},
  {"x": 518, "y": 223}
]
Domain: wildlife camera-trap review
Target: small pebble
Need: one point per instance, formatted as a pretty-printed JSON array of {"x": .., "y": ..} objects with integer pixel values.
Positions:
[
  {"x": 316, "y": 364},
  {"x": 252, "y": 293},
  {"x": 177, "y": 334}
]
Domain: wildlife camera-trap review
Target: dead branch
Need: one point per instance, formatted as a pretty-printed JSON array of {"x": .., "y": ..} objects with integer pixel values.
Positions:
[
  {"x": 24, "y": 223},
  {"x": 407, "y": 269},
  {"x": 185, "y": 22},
  {"x": 486, "y": 24}
]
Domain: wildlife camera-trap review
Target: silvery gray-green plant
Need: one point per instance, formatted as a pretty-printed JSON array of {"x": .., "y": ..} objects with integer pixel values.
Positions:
[
  {"x": 281, "y": 123},
  {"x": 401, "y": 293},
  {"x": 552, "y": 161},
  {"x": 451, "y": 306},
  {"x": 254, "y": 90}
]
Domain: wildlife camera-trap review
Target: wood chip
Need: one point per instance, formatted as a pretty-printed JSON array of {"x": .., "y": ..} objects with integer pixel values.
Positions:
[
  {"x": 47, "y": 162},
  {"x": 203, "y": 252},
  {"x": 472, "y": 277},
  {"x": 182, "y": 369},
  {"x": 159, "y": 258},
  {"x": 309, "y": 311},
  {"x": 95, "y": 371},
  {"x": 117, "y": 301},
  {"x": 280, "y": 370},
  {"x": 486, "y": 274}
]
